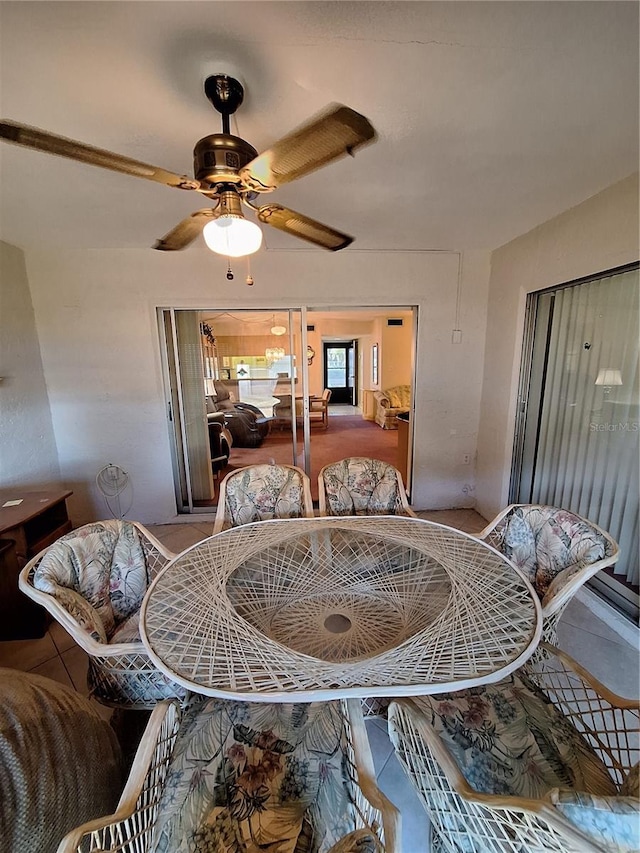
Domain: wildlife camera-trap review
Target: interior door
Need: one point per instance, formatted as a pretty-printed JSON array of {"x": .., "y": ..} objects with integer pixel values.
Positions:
[{"x": 339, "y": 371}]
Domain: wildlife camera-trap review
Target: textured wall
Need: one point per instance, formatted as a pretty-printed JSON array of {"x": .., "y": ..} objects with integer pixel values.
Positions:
[
  {"x": 96, "y": 313},
  {"x": 599, "y": 234},
  {"x": 28, "y": 455}
]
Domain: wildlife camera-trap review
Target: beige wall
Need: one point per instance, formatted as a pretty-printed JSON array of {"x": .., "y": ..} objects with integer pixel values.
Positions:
[
  {"x": 396, "y": 353},
  {"x": 597, "y": 235},
  {"x": 28, "y": 455},
  {"x": 96, "y": 315}
]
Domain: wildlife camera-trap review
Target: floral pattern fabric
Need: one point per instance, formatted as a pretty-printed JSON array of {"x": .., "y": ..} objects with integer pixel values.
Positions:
[
  {"x": 248, "y": 777},
  {"x": 544, "y": 540},
  {"x": 611, "y": 822},
  {"x": 361, "y": 486},
  {"x": 99, "y": 567},
  {"x": 263, "y": 492},
  {"x": 508, "y": 738}
]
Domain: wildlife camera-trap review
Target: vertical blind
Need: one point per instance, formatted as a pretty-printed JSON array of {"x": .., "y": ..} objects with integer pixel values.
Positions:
[{"x": 585, "y": 453}]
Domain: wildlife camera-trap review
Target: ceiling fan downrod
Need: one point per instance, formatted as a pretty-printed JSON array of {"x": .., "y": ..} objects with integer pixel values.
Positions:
[{"x": 226, "y": 94}]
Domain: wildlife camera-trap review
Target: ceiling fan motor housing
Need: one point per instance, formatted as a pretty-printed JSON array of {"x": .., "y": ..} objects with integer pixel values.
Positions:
[{"x": 219, "y": 158}]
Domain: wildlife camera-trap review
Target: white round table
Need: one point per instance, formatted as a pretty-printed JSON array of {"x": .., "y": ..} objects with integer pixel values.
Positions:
[{"x": 326, "y": 608}]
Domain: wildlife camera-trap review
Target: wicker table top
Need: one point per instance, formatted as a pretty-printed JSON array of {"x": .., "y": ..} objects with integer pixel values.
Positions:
[{"x": 312, "y": 609}]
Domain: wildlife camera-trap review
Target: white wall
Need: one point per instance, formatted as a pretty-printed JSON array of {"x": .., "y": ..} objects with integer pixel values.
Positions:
[
  {"x": 28, "y": 455},
  {"x": 96, "y": 319},
  {"x": 597, "y": 235}
]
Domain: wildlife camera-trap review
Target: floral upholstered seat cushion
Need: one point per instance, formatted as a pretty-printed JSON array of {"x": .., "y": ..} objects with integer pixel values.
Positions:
[
  {"x": 264, "y": 492},
  {"x": 361, "y": 486},
  {"x": 542, "y": 541},
  {"x": 98, "y": 573},
  {"x": 507, "y": 738},
  {"x": 248, "y": 777},
  {"x": 613, "y": 823}
]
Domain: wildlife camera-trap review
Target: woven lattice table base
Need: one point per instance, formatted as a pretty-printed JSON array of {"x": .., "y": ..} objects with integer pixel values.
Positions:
[{"x": 375, "y": 606}]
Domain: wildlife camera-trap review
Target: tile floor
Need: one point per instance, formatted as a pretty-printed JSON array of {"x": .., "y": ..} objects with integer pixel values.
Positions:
[{"x": 590, "y": 640}]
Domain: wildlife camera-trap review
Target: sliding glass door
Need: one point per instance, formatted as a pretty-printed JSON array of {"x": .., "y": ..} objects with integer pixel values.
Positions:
[
  {"x": 577, "y": 442},
  {"x": 246, "y": 362},
  {"x": 277, "y": 363}
]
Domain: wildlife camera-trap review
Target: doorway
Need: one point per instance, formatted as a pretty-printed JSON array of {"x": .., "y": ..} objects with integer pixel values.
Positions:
[
  {"x": 339, "y": 371},
  {"x": 265, "y": 359}
]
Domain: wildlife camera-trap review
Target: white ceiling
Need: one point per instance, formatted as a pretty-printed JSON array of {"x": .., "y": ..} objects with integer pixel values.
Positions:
[{"x": 491, "y": 117}]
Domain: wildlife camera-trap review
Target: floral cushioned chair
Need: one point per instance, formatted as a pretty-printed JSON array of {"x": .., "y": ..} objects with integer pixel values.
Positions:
[
  {"x": 391, "y": 403},
  {"x": 362, "y": 486},
  {"x": 557, "y": 550},
  {"x": 238, "y": 777},
  {"x": 261, "y": 492},
  {"x": 92, "y": 580},
  {"x": 544, "y": 760}
]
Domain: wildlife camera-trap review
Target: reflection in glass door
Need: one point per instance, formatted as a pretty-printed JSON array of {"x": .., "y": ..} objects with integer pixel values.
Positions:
[{"x": 339, "y": 371}]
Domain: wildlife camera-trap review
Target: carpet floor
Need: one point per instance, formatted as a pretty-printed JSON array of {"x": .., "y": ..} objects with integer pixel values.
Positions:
[{"x": 346, "y": 435}]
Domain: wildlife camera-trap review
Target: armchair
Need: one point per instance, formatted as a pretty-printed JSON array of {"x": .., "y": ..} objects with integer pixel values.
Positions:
[
  {"x": 544, "y": 760},
  {"x": 246, "y": 423},
  {"x": 362, "y": 486},
  {"x": 556, "y": 549},
  {"x": 92, "y": 581},
  {"x": 391, "y": 403},
  {"x": 221, "y": 775},
  {"x": 260, "y": 492}
]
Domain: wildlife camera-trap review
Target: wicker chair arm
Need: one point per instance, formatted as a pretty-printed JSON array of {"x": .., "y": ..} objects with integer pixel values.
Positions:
[
  {"x": 413, "y": 738},
  {"x": 371, "y": 793},
  {"x": 156, "y": 555},
  {"x": 607, "y": 720},
  {"x": 134, "y": 818},
  {"x": 568, "y": 581}
]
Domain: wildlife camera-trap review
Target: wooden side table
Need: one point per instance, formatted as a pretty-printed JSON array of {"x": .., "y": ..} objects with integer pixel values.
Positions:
[{"x": 25, "y": 529}]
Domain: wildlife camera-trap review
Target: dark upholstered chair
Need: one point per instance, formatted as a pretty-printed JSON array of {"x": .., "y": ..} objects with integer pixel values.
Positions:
[
  {"x": 246, "y": 423},
  {"x": 220, "y": 441}
]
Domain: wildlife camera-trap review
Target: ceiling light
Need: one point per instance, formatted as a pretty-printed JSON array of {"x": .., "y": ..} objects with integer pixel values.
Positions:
[
  {"x": 230, "y": 234},
  {"x": 274, "y": 353},
  {"x": 278, "y": 330}
]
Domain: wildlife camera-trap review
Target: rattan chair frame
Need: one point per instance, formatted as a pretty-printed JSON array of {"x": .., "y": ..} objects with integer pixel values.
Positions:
[
  {"x": 222, "y": 521},
  {"x": 402, "y": 504},
  {"x": 567, "y": 582},
  {"x": 130, "y": 828},
  {"x": 108, "y": 662},
  {"x": 509, "y": 824}
]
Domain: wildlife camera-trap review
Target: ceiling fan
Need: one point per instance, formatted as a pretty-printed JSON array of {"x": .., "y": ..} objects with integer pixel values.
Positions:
[{"x": 230, "y": 172}]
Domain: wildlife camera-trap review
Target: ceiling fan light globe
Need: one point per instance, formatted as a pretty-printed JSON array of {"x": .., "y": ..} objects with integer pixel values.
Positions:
[{"x": 232, "y": 236}]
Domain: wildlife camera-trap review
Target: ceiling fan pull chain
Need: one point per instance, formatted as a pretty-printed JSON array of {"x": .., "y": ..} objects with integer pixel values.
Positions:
[
  {"x": 249, "y": 278},
  {"x": 229, "y": 270}
]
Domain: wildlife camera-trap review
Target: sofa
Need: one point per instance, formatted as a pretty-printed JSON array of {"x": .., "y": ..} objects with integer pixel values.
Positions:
[{"x": 390, "y": 403}]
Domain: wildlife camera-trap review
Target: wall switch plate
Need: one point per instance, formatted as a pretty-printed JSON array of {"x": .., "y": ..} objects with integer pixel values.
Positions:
[
  {"x": 456, "y": 336},
  {"x": 466, "y": 459}
]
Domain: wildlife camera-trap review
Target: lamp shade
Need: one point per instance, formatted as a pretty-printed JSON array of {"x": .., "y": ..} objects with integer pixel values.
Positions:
[
  {"x": 609, "y": 376},
  {"x": 232, "y": 235}
]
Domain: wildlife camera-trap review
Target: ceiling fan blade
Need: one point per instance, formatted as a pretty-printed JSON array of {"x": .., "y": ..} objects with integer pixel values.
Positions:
[
  {"x": 186, "y": 231},
  {"x": 41, "y": 140},
  {"x": 324, "y": 139},
  {"x": 302, "y": 226}
]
